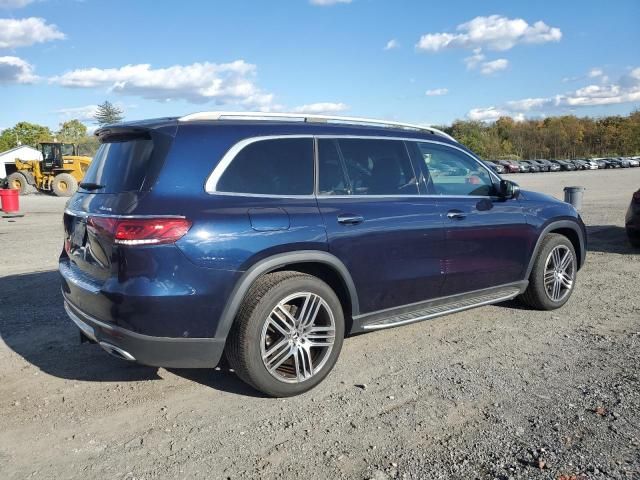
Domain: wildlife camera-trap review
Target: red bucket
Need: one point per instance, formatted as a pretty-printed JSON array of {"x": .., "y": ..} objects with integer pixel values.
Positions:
[{"x": 9, "y": 200}]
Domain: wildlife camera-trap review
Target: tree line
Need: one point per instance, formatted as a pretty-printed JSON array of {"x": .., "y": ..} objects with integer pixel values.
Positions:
[
  {"x": 71, "y": 131},
  {"x": 559, "y": 137}
]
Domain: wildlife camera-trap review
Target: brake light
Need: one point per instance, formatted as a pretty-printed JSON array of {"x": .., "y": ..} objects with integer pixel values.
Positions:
[{"x": 140, "y": 231}]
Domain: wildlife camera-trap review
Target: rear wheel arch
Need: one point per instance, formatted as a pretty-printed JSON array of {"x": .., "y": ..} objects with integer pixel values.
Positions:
[
  {"x": 331, "y": 277},
  {"x": 321, "y": 264}
]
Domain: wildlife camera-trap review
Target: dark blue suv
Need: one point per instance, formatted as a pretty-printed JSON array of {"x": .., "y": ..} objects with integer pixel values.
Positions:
[{"x": 269, "y": 237}]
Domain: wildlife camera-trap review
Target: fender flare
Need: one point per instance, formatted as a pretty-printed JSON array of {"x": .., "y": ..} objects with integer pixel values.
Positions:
[
  {"x": 272, "y": 263},
  {"x": 573, "y": 225}
]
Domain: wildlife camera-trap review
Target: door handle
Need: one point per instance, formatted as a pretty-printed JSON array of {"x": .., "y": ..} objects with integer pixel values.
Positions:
[
  {"x": 349, "y": 219},
  {"x": 455, "y": 215}
]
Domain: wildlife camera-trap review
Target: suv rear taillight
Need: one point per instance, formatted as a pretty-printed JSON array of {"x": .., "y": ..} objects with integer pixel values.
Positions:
[{"x": 139, "y": 231}]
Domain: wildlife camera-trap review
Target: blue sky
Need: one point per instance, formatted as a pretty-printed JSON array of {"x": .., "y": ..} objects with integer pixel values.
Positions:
[{"x": 416, "y": 61}]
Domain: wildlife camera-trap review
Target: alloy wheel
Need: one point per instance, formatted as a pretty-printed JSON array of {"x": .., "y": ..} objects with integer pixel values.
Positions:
[
  {"x": 297, "y": 337},
  {"x": 559, "y": 273}
]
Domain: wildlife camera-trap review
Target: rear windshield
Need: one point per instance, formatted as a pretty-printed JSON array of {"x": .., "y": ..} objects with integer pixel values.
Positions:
[{"x": 121, "y": 164}]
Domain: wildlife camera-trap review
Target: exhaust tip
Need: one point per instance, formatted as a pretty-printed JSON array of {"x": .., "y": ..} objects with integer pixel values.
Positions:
[{"x": 117, "y": 352}]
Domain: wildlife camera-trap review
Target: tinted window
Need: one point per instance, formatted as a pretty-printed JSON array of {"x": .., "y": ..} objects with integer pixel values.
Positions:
[
  {"x": 454, "y": 173},
  {"x": 378, "y": 167},
  {"x": 120, "y": 164},
  {"x": 332, "y": 180},
  {"x": 271, "y": 167}
]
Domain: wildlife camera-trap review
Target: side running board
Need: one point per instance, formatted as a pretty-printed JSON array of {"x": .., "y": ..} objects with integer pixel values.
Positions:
[{"x": 441, "y": 307}]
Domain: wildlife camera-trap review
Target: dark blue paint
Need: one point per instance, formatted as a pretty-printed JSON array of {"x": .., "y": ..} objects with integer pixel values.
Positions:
[
  {"x": 394, "y": 255},
  {"x": 405, "y": 250},
  {"x": 487, "y": 246}
]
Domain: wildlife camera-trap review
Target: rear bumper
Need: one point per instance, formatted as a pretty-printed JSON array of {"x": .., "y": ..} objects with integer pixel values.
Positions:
[{"x": 146, "y": 349}]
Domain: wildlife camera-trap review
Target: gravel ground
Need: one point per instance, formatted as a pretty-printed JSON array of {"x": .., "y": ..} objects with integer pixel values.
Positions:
[{"x": 498, "y": 392}]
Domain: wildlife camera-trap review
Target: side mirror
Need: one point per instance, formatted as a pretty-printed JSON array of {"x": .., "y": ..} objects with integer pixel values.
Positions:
[{"x": 508, "y": 189}]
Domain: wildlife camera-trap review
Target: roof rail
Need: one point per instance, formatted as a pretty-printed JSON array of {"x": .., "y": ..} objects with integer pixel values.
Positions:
[{"x": 309, "y": 118}]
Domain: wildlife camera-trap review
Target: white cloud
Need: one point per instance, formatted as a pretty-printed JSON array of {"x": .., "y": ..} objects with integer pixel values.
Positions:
[
  {"x": 477, "y": 61},
  {"x": 326, "y": 3},
  {"x": 526, "y": 104},
  {"x": 27, "y": 31},
  {"x": 435, "y": 92},
  {"x": 84, "y": 113},
  {"x": 494, "y": 33},
  {"x": 224, "y": 83},
  {"x": 391, "y": 44},
  {"x": 487, "y": 68},
  {"x": 626, "y": 90},
  {"x": 488, "y": 114},
  {"x": 16, "y": 70},
  {"x": 321, "y": 107},
  {"x": 9, "y": 4},
  {"x": 595, "y": 72},
  {"x": 474, "y": 60}
]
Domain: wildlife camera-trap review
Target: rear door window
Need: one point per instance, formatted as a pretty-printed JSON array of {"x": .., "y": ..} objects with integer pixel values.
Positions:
[
  {"x": 332, "y": 179},
  {"x": 282, "y": 166},
  {"x": 377, "y": 167}
]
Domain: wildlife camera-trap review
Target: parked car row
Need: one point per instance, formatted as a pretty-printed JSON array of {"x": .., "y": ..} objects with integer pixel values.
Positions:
[{"x": 535, "y": 166}]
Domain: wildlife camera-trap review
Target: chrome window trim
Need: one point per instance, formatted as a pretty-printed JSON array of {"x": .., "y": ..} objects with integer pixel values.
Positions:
[
  {"x": 262, "y": 195},
  {"x": 212, "y": 181},
  {"x": 324, "y": 197},
  {"x": 228, "y": 157}
]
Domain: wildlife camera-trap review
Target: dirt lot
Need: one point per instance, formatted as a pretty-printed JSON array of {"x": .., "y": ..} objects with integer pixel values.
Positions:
[{"x": 498, "y": 392}]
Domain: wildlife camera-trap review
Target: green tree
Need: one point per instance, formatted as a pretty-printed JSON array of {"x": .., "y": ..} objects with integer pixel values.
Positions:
[
  {"x": 72, "y": 131},
  {"x": 24, "y": 133},
  {"x": 108, "y": 113},
  {"x": 88, "y": 145}
]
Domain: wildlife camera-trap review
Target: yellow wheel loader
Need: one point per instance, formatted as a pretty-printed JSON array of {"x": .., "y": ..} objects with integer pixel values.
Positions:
[{"x": 60, "y": 170}]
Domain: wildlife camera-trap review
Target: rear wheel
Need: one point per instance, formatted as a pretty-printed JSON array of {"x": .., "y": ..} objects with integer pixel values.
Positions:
[
  {"x": 19, "y": 182},
  {"x": 64, "y": 185},
  {"x": 554, "y": 274},
  {"x": 287, "y": 335}
]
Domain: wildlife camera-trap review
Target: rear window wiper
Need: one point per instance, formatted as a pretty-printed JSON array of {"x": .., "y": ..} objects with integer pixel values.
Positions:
[{"x": 90, "y": 186}]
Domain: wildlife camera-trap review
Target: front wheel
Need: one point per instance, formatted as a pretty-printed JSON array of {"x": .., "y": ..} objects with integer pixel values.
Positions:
[
  {"x": 287, "y": 335},
  {"x": 553, "y": 276},
  {"x": 64, "y": 185}
]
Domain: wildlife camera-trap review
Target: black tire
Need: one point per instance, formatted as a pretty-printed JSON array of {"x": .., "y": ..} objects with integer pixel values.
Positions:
[
  {"x": 64, "y": 185},
  {"x": 243, "y": 349},
  {"x": 536, "y": 295},
  {"x": 19, "y": 182}
]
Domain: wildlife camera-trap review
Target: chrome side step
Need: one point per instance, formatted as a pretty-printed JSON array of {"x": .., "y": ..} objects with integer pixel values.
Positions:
[{"x": 444, "y": 308}]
